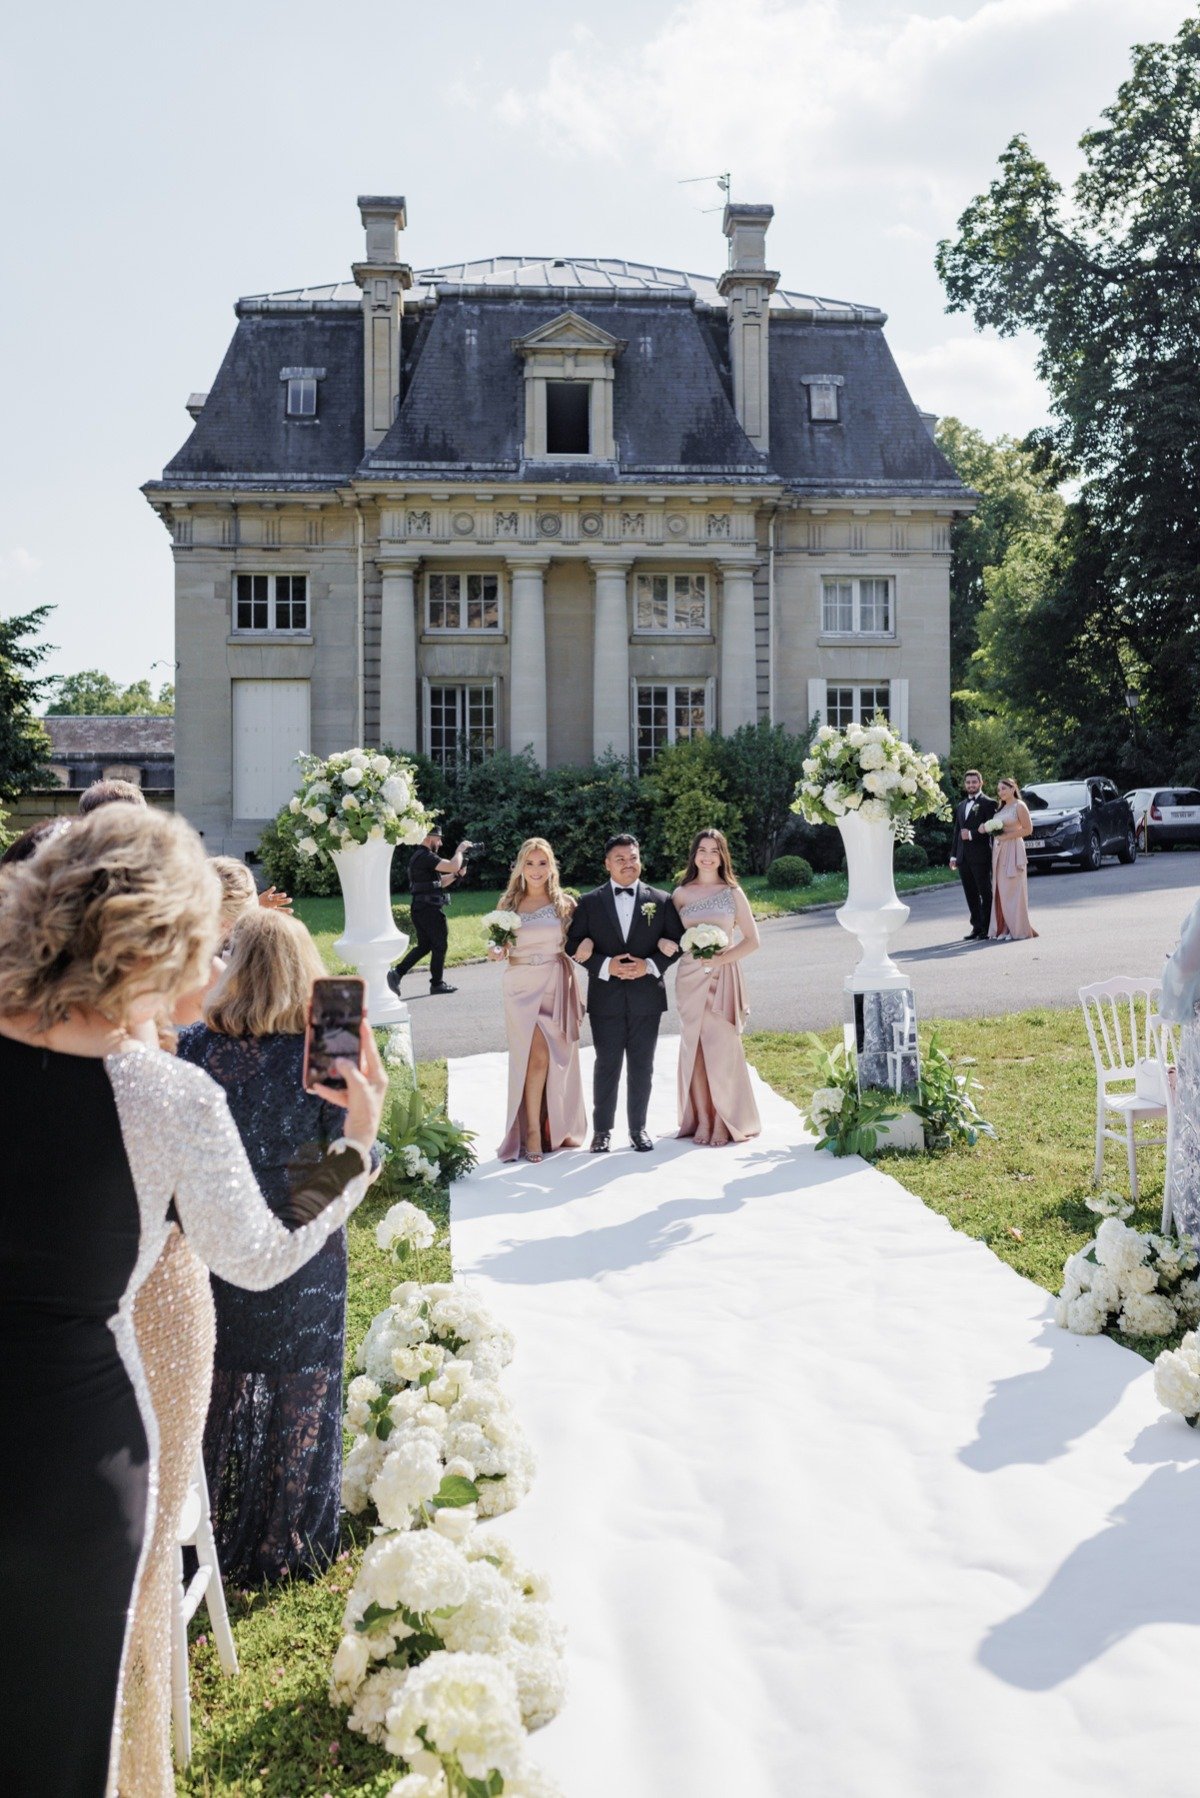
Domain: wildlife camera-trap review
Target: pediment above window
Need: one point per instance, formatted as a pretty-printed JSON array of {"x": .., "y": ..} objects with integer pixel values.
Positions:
[{"x": 568, "y": 334}]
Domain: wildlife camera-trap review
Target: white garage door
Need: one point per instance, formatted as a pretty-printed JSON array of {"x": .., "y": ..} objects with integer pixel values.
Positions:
[{"x": 270, "y": 728}]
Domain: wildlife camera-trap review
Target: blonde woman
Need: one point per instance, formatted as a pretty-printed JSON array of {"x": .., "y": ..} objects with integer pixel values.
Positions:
[
  {"x": 109, "y": 1147},
  {"x": 716, "y": 1099},
  {"x": 1010, "y": 875},
  {"x": 542, "y": 1012},
  {"x": 273, "y": 1441}
]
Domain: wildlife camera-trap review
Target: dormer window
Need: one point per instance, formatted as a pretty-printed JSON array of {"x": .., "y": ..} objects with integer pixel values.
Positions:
[
  {"x": 301, "y": 386},
  {"x": 569, "y": 366},
  {"x": 568, "y": 425},
  {"x": 824, "y": 397}
]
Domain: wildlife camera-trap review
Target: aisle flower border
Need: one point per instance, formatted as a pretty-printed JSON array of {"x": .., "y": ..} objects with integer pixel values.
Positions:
[
  {"x": 1141, "y": 1283},
  {"x": 450, "y": 1653}
]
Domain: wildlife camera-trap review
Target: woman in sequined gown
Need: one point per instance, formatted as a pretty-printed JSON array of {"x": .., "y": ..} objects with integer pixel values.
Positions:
[
  {"x": 542, "y": 1012},
  {"x": 716, "y": 1100},
  {"x": 120, "y": 1145},
  {"x": 1179, "y": 1003},
  {"x": 273, "y": 1440}
]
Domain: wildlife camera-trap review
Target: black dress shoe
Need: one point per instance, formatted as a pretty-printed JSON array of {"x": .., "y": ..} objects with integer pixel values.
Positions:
[
  {"x": 972, "y": 936},
  {"x": 393, "y": 980},
  {"x": 641, "y": 1140},
  {"x": 443, "y": 986},
  {"x": 601, "y": 1141}
]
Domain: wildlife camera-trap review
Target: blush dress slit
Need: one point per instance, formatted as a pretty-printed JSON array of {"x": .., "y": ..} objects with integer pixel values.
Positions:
[
  {"x": 541, "y": 992},
  {"x": 716, "y": 1099}
]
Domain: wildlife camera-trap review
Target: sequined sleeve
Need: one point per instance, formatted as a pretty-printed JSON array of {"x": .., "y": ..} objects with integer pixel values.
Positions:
[
  {"x": 182, "y": 1143},
  {"x": 1181, "y": 976}
]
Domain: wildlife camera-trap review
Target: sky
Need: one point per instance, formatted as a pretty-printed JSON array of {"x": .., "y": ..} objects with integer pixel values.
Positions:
[{"x": 161, "y": 160}]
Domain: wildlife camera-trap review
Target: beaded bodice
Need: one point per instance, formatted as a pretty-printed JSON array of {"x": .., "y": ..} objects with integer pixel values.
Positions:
[
  {"x": 540, "y": 938},
  {"x": 718, "y": 906}
]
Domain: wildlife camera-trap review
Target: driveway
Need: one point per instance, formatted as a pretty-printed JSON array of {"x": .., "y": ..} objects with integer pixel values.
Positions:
[{"x": 1117, "y": 921}]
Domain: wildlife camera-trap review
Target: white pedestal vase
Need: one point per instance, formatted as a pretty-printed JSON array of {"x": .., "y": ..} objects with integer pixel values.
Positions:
[
  {"x": 881, "y": 1015},
  {"x": 370, "y": 941},
  {"x": 872, "y": 911}
]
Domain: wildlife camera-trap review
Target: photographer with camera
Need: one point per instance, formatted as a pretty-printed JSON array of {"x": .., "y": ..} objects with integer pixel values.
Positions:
[{"x": 428, "y": 878}]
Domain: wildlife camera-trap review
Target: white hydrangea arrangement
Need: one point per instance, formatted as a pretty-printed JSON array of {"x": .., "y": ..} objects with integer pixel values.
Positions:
[
  {"x": 703, "y": 941},
  {"x": 356, "y": 796},
  {"x": 450, "y": 1653},
  {"x": 869, "y": 771},
  {"x": 1177, "y": 1378},
  {"x": 1143, "y": 1285}
]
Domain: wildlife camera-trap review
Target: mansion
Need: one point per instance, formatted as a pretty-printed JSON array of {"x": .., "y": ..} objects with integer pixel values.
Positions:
[{"x": 570, "y": 505}]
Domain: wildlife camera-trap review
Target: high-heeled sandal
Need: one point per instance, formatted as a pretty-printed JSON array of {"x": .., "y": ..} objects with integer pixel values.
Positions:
[{"x": 533, "y": 1154}]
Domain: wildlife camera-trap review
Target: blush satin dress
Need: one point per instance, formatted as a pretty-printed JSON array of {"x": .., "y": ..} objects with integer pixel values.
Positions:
[
  {"x": 541, "y": 992},
  {"x": 716, "y": 1099}
]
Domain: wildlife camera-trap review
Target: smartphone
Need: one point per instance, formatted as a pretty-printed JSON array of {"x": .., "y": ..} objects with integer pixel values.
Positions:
[{"x": 335, "y": 1015}]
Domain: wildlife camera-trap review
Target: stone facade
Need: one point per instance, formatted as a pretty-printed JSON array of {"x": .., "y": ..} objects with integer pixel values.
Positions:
[{"x": 570, "y": 506}]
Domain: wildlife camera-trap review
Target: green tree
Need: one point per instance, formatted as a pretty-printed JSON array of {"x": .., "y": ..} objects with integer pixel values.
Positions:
[
  {"x": 1109, "y": 282},
  {"x": 92, "y": 693},
  {"x": 760, "y": 765},
  {"x": 1018, "y": 496},
  {"x": 24, "y": 745}
]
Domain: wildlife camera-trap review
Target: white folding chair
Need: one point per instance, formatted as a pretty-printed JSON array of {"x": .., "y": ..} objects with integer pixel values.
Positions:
[
  {"x": 195, "y": 1531},
  {"x": 1122, "y": 1029},
  {"x": 1168, "y": 1053}
]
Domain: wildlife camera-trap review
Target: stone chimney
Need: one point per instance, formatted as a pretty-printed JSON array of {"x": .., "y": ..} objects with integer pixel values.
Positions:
[
  {"x": 747, "y": 285},
  {"x": 383, "y": 279}
]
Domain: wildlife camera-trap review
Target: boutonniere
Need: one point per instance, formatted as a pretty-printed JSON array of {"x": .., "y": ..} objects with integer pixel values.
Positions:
[{"x": 648, "y": 910}]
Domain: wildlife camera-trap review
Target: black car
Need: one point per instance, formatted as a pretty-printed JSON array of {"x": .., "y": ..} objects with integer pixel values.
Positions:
[{"x": 1079, "y": 822}]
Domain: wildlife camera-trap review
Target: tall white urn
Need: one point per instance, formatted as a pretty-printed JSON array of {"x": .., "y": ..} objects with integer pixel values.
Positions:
[
  {"x": 370, "y": 941},
  {"x": 872, "y": 911}
]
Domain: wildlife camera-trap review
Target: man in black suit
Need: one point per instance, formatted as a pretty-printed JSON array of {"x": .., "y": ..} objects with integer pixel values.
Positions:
[
  {"x": 624, "y": 919},
  {"x": 973, "y": 853}
]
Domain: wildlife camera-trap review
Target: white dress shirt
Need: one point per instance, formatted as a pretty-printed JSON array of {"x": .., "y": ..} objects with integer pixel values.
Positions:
[{"x": 623, "y": 899}]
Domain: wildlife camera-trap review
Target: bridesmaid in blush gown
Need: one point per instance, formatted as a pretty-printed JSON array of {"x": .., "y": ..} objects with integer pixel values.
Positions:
[
  {"x": 716, "y": 1100},
  {"x": 1010, "y": 870},
  {"x": 542, "y": 1012}
]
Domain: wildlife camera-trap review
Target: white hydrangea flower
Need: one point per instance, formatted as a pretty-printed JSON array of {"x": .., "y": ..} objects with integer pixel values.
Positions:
[
  {"x": 460, "y": 1704},
  {"x": 1118, "y": 1247},
  {"x": 409, "y": 1478},
  {"x": 380, "y": 764},
  {"x": 541, "y": 1680},
  {"x": 1106, "y": 1289},
  {"x": 372, "y": 1701},
  {"x": 423, "y": 1785},
  {"x": 1109, "y": 1204},
  {"x": 482, "y": 1623},
  {"x": 455, "y": 1522},
  {"x": 832, "y": 798},
  {"x": 875, "y": 811},
  {"x": 1085, "y": 1317},
  {"x": 352, "y": 775},
  {"x": 360, "y": 1395},
  {"x": 406, "y": 1223},
  {"x": 871, "y": 756},
  {"x": 853, "y": 801},
  {"x": 1147, "y": 1314},
  {"x": 351, "y": 1665},
  {"x": 411, "y": 1363},
  {"x": 350, "y": 800},
  {"x": 417, "y": 1569},
  {"x": 359, "y": 1471},
  {"x": 1139, "y": 1281},
  {"x": 397, "y": 791}
]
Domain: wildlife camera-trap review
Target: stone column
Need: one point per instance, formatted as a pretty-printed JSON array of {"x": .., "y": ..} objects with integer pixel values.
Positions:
[
  {"x": 739, "y": 674},
  {"x": 610, "y": 659},
  {"x": 527, "y": 657},
  {"x": 398, "y": 657}
]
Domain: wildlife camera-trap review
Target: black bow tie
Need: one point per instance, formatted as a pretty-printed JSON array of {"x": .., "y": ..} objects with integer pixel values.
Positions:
[{"x": 625, "y": 892}]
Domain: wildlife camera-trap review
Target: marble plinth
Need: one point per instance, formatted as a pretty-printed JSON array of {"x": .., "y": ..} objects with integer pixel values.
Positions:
[{"x": 881, "y": 1029}]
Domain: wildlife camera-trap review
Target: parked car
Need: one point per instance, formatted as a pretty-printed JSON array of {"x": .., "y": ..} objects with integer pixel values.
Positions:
[
  {"x": 1165, "y": 816},
  {"x": 1079, "y": 822}
]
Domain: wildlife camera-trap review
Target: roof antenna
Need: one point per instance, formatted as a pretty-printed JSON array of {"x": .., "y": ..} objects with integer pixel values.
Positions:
[{"x": 722, "y": 182}]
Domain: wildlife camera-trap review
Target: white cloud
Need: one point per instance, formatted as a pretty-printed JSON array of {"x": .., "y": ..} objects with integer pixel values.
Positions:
[
  {"x": 987, "y": 381},
  {"x": 18, "y": 562}
]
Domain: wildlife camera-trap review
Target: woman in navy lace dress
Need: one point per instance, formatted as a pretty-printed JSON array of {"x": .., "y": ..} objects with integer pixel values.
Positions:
[{"x": 273, "y": 1442}]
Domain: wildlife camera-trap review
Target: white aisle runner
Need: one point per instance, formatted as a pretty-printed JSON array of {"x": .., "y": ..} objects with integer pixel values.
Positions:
[{"x": 830, "y": 1506}]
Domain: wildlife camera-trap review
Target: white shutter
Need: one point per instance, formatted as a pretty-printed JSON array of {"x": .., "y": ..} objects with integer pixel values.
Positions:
[
  {"x": 710, "y": 704},
  {"x": 426, "y": 724},
  {"x": 898, "y": 698},
  {"x": 816, "y": 702},
  {"x": 633, "y": 719},
  {"x": 270, "y": 728}
]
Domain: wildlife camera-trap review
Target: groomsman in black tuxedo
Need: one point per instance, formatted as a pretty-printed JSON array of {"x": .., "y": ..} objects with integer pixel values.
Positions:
[
  {"x": 973, "y": 853},
  {"x": 626, "y": 985}
]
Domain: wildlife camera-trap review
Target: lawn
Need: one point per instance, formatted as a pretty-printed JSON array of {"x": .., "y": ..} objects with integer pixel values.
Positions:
[
  {"x": 272, "y": 1733},
  {"x": 468, "y": 940},
  {"x": 1023, "y": 1193}
]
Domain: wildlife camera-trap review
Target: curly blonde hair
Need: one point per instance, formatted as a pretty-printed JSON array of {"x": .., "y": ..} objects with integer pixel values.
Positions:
[
  {"x": 267, "y": 981},
  {"x": 121, "y": 906},
  {"x": 516, "y": 889}
]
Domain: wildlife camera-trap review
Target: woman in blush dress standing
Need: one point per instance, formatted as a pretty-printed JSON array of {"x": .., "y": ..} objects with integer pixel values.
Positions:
[
  {"x": 1010, "y": 871},
  {"x": 542, "y": 1012},
  {"x": 716, "y": 1100}
]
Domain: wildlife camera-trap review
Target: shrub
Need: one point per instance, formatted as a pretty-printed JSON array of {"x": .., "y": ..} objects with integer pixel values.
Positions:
[
  {"x": 819, "y": 844},
  {"x": 910, "y": 858},
  {"x": 789, "y": 871},
  {"x": 759, "y": 766}
]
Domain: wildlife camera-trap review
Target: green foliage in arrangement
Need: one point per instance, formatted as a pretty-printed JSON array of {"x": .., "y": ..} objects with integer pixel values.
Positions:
[
  {"x": 286, "y": 868},
  {"x": 944, "y": 1105},
  {"x": 845, "y": 1121},
  {"x": 411, "y": 1123},
  {"x": 790, "y": 871}
]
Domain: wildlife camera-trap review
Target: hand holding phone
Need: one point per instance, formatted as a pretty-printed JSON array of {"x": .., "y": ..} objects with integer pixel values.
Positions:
[{"x": 335, "y": 1015}]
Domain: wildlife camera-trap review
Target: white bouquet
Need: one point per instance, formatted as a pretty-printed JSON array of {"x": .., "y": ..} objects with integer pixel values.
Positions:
[
  {"x": 992, "y": 827},
  {"x": 1145, "y": 1285},
  {"x": 356, "y": 796},
  {"x": 502, "y": 928},
  {"x": 1177, "y": 1378},
  {"x": 870, "y": 771},
  {"x": 704, "y": 941}
]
